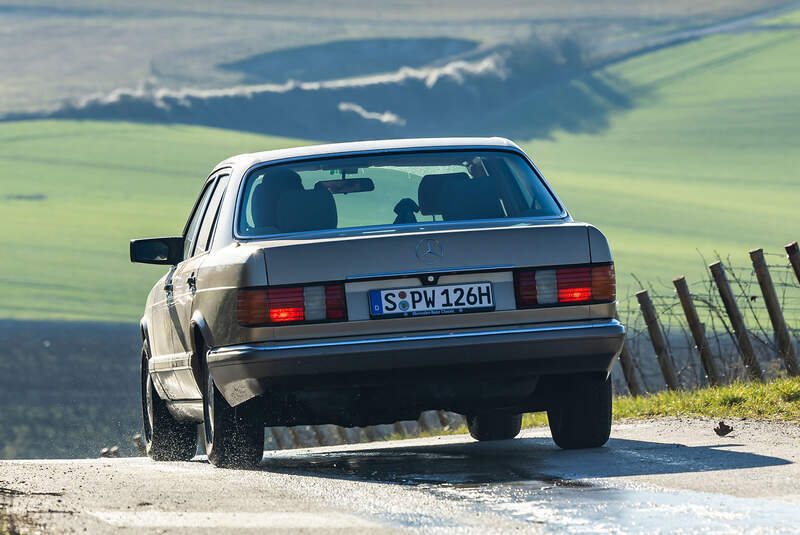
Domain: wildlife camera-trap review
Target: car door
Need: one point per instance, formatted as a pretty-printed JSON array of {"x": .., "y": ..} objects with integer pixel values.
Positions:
[
  {"x": 159, "y": 336},
  {"x": 181, "y": 295},
  {"x": 185, "y": 284}
]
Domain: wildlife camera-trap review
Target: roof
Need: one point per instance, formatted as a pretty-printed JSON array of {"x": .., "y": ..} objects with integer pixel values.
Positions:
[{"x": 248, "y": 160}]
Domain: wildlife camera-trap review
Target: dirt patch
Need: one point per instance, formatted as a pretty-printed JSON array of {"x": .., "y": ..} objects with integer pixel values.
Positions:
[{"x": 68, "y": 389}]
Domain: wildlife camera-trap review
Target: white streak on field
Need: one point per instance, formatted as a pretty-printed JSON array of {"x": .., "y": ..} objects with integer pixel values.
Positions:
[
  {"x": 455, "y": 71},
  {"x": 386, "y": 117}
]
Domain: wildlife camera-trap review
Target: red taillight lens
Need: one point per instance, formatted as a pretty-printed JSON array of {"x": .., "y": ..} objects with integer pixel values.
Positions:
[
  {"x": 286, "y": 304},
  {"x": 263, "y": 306},
  {"x": 574, "y": 284},
  {"x": 565, "y": 285},
  {"x": 526, "y": 288},
  {"x": 335, "y": 307}
]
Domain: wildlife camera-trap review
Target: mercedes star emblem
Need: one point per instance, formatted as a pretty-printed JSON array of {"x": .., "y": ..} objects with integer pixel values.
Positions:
[{"x": 429, "y": 251}]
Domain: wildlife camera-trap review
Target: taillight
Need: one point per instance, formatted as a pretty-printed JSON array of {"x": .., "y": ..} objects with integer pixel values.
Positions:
[
  {"x": 568, "y": 285},
  {"x": 574, "y": 285},
  {"x": 604, "y": 283},
  {"x": 296, "y": 304},
  {"x": 286, "y": 304}
]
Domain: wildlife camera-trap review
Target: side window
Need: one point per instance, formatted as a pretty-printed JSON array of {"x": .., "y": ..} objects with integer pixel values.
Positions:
[
  {"x": 203, "y": 237},
  {"x": 194, "y": 222}
]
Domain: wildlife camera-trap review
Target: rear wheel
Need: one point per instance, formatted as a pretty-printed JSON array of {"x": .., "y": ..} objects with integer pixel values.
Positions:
[
  {"x": 582, "y": 419},
  {"x": 233, "y": 436},
  {"x": 165, "y": 438},
  {"x": 494, "y": 426}
]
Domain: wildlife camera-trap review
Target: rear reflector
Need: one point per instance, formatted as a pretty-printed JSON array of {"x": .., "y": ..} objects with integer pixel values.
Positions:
[
  {"x": 526, "y": 289},
  {"x": 335, "y": 307},
  {"x": 569, "y": 285},
  {"x": 265, "y": 306}
]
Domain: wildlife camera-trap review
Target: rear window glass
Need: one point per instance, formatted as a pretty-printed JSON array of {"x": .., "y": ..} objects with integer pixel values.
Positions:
[{"x": 391, "y": 189}]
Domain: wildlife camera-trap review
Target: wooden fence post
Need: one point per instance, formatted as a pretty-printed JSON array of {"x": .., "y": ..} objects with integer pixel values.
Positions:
[
  {"x": 626, "y": 362},
  {"x": 737, "y": 322},
  {"x": 657, "y": 338},
  {"x": 698, "y": 333},
  {"x": 785, "y": 347},
  {"x": 793, "y": 251}
]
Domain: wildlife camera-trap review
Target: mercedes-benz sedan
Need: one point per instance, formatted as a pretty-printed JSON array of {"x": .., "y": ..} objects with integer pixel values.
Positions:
[{"x": 362, "y": 283}]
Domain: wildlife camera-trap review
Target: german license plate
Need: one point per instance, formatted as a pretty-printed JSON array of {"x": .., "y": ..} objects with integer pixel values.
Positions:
[{"x": 429, "y": 300}]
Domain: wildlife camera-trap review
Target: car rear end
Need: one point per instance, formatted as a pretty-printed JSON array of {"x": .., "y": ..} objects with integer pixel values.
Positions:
[{"x": 475, "y": 305}]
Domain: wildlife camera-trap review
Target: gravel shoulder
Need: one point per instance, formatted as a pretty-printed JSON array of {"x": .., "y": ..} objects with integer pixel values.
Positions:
[{"x": 670, "y": 474}]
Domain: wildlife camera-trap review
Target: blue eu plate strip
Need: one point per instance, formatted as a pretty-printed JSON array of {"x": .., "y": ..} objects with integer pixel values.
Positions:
[{"x": 375, "y": 302}]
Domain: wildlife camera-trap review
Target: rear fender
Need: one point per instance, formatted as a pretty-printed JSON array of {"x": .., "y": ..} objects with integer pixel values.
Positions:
[{"x": 200, "y": 327}]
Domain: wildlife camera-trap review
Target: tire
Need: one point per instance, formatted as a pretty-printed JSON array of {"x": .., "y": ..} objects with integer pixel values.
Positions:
[
  {"x": 165, "y": 438},
  {"x": 582, "y": 419},
  {"x": 233, "y": 437},
  {"x": 497, "y": 426}
]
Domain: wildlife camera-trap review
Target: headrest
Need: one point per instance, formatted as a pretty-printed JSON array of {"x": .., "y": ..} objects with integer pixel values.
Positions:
[
  {"x": 264, "y": 199},
  {"x": 300, "y": 211},
  {"x": 432, "y": 187},
  {"x": 472, "y": 199}
]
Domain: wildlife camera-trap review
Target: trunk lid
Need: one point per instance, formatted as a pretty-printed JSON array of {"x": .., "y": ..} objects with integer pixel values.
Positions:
[{"x": 452, "y": 250}]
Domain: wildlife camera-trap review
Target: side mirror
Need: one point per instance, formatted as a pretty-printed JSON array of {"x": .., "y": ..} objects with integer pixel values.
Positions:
[{"x": 167, "y": 251}]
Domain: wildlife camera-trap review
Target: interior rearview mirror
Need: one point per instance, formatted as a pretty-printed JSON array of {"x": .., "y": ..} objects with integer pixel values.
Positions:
[
  {"x": 347, "y": 185},
  {"x": 167, "y": 251}
]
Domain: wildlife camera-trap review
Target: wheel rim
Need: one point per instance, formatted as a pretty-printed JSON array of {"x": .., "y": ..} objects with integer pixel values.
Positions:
[
  {"x": 208, "y": 408},
  {"x": 147, "y": 402}
]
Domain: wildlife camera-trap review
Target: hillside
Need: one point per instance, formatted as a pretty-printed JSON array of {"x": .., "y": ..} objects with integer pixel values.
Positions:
[
  {"x": 65, "y": 50},
  {"x": 75, "y": 193},
  {"x": 705, "y": 160},
  {"x": 702, "y": 156}
]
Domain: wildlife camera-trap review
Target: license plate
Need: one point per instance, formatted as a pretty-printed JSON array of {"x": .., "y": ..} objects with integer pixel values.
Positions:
[{"x": 429, "y": 300}]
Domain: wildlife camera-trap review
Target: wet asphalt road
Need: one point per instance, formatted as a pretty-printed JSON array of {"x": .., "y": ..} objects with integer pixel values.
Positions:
[{"x": 666, "y": 476}]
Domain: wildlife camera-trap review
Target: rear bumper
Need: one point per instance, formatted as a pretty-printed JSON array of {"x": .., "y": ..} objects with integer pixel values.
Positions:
[{"x": 243, "y": 372}]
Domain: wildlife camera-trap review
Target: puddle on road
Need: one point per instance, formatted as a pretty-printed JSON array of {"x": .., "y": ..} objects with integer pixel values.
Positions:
[
  {"x": 563, "y": 492},
  {"x": 580, "y": 507}
]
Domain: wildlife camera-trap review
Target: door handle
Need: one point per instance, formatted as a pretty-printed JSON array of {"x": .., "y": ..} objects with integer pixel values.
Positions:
[{"x": 192, "y": 281}]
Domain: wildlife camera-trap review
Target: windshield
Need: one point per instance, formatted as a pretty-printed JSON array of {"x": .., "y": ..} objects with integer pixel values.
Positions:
[{"x": 391, "y": 189}]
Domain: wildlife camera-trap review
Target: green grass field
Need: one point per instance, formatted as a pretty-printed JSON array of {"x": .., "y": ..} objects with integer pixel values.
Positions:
[
  {"x": 707, "y": 159},
  {"x": 67, "y": 256}
]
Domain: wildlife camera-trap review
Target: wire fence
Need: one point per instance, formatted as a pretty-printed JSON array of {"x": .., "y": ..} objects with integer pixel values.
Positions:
[{"x": 681, "y": 347}]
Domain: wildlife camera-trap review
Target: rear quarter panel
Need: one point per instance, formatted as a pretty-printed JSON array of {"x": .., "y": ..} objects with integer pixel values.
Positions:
[{"x": 220, "y": 276}]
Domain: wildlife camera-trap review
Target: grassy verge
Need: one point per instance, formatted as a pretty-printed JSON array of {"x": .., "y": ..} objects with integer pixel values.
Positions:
[{"x": 774, "y": 400}]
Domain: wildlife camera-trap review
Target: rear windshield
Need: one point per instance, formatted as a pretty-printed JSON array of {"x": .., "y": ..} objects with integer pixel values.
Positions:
[{"x": 391, "y": 190}]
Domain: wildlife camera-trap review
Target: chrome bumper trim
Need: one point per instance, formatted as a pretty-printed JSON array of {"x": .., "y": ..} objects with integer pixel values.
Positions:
[{"x": 421, "y": 337}]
